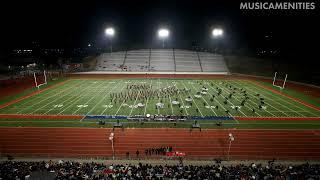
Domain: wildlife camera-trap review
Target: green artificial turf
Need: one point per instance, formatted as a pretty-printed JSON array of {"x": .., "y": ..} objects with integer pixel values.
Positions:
[{"x": 92, "y": 97}]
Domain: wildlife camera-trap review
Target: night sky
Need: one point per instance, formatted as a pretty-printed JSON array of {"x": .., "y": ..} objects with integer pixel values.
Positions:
[{"x": 64, "y": 24}]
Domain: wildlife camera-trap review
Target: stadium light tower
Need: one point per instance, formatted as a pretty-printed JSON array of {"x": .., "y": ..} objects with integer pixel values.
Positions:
[
  {"x": 163, "y": 34},
  {"x": 217, "y": 33},
  {"x": 231, "y": 139},
  {"x": 110, "y": 33}
]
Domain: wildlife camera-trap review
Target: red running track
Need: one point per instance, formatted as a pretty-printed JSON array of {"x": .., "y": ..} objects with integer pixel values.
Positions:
[{"x": 208, "y": 144}]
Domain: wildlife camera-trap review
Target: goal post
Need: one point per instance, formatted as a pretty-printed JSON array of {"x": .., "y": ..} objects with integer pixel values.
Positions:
[
  {"x": 275, "y": 78},
  {"x": 37, "y": 84}
]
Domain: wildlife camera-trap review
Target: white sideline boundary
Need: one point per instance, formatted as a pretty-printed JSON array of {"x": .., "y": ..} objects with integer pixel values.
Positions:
[{"x": 147, "y": 73}]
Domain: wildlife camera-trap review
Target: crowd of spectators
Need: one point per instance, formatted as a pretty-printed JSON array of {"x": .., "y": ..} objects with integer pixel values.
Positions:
[{"x": 76, "y": 170}]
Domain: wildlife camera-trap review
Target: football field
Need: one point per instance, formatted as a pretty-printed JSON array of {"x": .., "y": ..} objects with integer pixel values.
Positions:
[{"x": 232, "y": 98}]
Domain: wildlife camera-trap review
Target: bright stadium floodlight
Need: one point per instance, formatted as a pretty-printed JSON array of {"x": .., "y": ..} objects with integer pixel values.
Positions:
[
  {"x": 217, "y": 32},
  {"x": 163, "y": 34},
  {"x": 110, "y": 33}
]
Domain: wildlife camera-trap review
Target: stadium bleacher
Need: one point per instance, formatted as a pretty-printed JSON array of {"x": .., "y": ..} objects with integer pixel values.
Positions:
[
  {"x": 137, "y": 60},
  {"x": 212, "y": 62},
  {"x": 110, "y": 61},
  {"x": 161, "y": 60},
  {"x": 187, "y": 61}
]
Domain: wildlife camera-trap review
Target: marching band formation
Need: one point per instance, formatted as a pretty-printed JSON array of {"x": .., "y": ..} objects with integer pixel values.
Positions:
[{"x": 144, "y": 92}]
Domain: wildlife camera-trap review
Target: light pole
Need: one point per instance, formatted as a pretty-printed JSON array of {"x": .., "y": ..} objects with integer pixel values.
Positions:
[
  {"x": 231, "y": 138},
  {"x": 110, "y": 33},
  {"x": 217, "y": 33},
  {"x": 111, "y": 139},
  {"x": 163, "y": 34}
]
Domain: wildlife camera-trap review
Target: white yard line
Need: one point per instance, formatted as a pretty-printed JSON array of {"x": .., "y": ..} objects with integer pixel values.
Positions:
[
  {"x": 119, "y": 82},
  {"x": 47, "y": 98},
  {"x": 170, "y": 100},
  {"x": 267, "y": 97},
  {"x": 192, "y": 99},
  {"x": 219, "y": 102},
  {"x": 93, "y": 96},
  {"x": 110, "y": 102},
  {"x": 77, "y": 98},
  {"x": 49, "y": 92},
  {"x": 31, "y": 100},
  {"x": 134, "y": 103},
  {"x": 235, "y": 97},
  {"x": 232, "y": 103},
  {"x": 205, "y": 101},
  {"x": 248, "y": 89},
  {"x": 222, "y": 105},
  {"x": 288, "y": 102},
  {"x": 183, "y": 102},
  {"x": 122, "y": 102},
  {"x": 145, "y": 108},
  {"x": 63, "y": 102}
]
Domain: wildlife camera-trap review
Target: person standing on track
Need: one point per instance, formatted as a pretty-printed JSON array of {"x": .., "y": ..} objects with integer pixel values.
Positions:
[{"x": 137, "y": 153}]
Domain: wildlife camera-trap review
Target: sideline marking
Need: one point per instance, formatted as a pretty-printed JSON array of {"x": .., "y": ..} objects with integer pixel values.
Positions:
[{"x": 32, "y": 94}]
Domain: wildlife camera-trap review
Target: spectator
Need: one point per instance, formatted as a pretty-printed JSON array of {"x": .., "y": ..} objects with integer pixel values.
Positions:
[{"x": 76, "y": 170}]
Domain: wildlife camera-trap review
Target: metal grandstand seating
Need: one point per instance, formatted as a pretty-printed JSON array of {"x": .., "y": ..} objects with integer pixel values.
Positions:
[
  {"x": 161, "y": 60},
  {"x": 199, "y": 61},
  {"x": 212, "y": 62},
  {"x": 137, "y": 60},
  {"x": 110, "y": 61},
  {"x": 187, "y": 61},
  {"x": 174, "y": 60}
]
